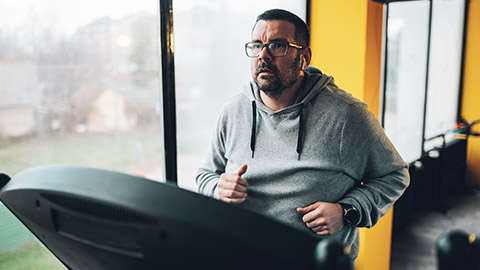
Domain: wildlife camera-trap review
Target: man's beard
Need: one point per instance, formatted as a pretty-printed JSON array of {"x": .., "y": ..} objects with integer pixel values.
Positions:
[{"x": 275, "y": 83}]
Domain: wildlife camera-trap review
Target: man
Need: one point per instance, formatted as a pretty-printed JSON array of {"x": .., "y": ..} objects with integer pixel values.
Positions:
[{"x": 296, "y": 148}]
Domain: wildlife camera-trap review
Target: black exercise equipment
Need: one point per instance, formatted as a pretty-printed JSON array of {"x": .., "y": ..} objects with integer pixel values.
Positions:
[
  {"x": 97, "y": 219},
  {"x": 458, "y": 250}
]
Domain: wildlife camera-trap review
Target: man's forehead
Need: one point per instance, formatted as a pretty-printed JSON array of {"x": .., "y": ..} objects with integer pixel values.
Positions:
[{"x": 273, "y": 29}]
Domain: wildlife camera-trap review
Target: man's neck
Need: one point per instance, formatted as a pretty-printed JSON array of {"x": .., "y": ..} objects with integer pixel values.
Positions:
[{"x": 286, "y": 98}]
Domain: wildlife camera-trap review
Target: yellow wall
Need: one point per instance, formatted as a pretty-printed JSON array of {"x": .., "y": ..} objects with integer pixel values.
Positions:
[
  {"x": 338, "y": 39},
  {"x": 346, "y": 43},
  {"x": 471, "y": 90}
]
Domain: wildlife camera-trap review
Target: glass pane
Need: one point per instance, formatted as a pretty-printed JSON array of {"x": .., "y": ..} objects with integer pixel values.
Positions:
[
  {"x": 79, "y": 85},
  {"x": 210, "y": 67},
  {"x": 406, "y": 71},
  {"x": 444, "y": 68}
]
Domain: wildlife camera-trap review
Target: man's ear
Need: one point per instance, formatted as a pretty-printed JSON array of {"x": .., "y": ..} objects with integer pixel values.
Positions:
[{"x": 306, "y": 57}]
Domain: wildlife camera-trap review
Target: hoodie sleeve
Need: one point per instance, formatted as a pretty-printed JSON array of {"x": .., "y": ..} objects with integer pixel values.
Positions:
[
  {"x": 209, "y": 174},
  {"x": 369, "y": 157}
]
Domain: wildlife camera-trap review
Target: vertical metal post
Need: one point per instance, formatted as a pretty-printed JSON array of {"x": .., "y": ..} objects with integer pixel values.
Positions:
[
  {"x": 385, "y": 69},
  {"x": 168, "y": 89},
  {"x": 427, "y": 77},
  {"x": 309, "y": 13}
]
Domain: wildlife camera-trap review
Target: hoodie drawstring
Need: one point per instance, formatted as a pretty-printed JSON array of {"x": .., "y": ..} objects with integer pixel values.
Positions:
[
  {"x": 300, "y": 132},
  {"x": 254, "y": 127},
  {"x": 254, "y": 130}
]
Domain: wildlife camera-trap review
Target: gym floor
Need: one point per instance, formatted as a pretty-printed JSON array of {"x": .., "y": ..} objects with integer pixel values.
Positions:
[{"x": 414, "y": 247}]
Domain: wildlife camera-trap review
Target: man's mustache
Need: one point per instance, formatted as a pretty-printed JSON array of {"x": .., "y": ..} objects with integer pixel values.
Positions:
[{"x": 264, "y": 66}]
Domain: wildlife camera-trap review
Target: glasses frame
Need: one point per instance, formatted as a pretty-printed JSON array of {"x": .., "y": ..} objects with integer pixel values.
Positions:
[{"x": 289, "y": 44}]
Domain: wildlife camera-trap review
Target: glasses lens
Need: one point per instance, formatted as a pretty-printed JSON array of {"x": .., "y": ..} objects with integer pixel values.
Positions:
[
  {"x": 253, "y": 48},
  {"x": 278, "y": 48}
]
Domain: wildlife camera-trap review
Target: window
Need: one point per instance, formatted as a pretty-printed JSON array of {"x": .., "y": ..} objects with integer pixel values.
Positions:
[
  {"x": 211, "y": 67},
  {"x": 79, "y": 84},
  {"x": 444, "y": 69},
  {"x": 406, "y": 66},
  {"x": 422, "y": 75}
]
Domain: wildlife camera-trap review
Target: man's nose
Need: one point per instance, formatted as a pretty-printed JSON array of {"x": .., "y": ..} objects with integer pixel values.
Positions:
[{"x": 265, "y": 55}]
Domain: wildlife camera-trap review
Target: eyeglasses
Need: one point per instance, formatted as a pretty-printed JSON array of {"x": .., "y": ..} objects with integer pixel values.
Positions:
[{"x": 275, "y": 48}]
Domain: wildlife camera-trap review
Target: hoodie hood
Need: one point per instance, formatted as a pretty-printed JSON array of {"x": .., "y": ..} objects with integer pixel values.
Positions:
[{"x": 315, "y": 82}]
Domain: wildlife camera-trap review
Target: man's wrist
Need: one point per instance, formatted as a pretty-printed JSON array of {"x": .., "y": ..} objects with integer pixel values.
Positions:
[{"x": 351, "y": 215}]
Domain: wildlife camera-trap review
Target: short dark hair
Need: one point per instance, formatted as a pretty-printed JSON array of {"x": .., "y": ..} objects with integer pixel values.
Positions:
[{"x": 302, "y": 33}]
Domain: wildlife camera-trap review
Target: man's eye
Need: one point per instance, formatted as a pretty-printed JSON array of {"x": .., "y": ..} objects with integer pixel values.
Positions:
[
  {"x": 256, "y": 46},
  {"x": 277, "y": 45}
]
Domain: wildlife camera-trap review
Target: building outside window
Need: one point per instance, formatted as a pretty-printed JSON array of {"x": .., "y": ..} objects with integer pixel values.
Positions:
[{"x": 80, "y": 85}]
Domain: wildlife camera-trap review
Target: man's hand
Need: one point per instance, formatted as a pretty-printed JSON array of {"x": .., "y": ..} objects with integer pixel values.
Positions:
[
  {"x": 232, "y": 188},
  {"x": 322, "y": 217}
]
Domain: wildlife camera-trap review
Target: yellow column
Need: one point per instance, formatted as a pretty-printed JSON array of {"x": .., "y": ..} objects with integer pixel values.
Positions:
[
  {"x": 338, "y": 40},
  {"x": 471, "y": 91},
  {"x": 346, "y": 40}
]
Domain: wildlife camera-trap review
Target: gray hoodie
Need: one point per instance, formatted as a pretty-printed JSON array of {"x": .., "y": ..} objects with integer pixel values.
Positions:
[{"x": 325, "y": 147}]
